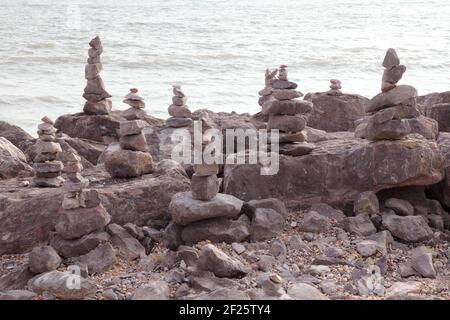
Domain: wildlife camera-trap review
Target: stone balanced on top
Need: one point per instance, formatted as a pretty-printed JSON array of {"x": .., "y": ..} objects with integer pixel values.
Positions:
[
  {"x": 83, "y": 218},
  {"x": 180, "y": 115},
  {"x": 95, "y": 93},
  {"x": 266, "y": 93},
  {"x": 47, "y": 167},
  {"x": 288, "y": 114},
  {"x": 137, "y": 106},
  {"x": 394, "y": 106},
  {"x": 132, "y": 158},
  {"x": 335, "y": 88}
]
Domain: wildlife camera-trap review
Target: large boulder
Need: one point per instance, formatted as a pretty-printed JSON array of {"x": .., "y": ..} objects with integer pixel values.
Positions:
[
  {"x": 17, "y": 136},
  {"x": 88, "y": 149},
  {"x": 409, "y": 228},
  {"x": 102, "y": 128},
  {"x": 336, "y": 113},
  {"x": 338, "y": 170},
  {"x": 13, "y": 162},
  {"x": 437, "y": 106},
  {"x": 28, "y": 215}
]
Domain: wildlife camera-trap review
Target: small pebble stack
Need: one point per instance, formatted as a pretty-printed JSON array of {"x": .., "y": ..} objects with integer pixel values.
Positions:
[
  {"x": 335, "y": 88},
  {"x": 180, "y": 115},
  {"x": 288, "y": 114},
  {"x": 47, "y": 167},
  {"x": 137, "y": 106},
  {"x": 73, "y": 188},
  {"x": 95, "y": 93}
]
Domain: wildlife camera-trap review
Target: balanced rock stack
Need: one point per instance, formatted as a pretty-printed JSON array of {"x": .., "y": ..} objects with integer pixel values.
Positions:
[
  {"x": 137, "y": 106},
  {"x": 95, "y": 93},
  {"x": 266, "y": 93},
  {"x": 80, "y": 229},
  {"x": 288, "y": 114},
  {"x": 47, "y": 167},
  {"x": 180, "y": 115},
  {"x": 335, "y": 88},
  {"x": 132, "y": 158},
  {"x": 394, "y": 106}
]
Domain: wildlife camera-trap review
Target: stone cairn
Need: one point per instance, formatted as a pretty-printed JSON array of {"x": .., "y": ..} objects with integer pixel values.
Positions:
[
  {"x": 335, "y": 88},
  {"x": 288, "y": 114},
  {"x": 180, "y": 115},
  {"x": 83, "y": 218},
  {"x": 95, "y": 93},
  {"x": 47, "y": 167},
  {"x": 392, "y": 108},
  {"x": 266, "y": 93},
  {"x": 132, "y": 158},
  {"x": 137, "y": 106}
]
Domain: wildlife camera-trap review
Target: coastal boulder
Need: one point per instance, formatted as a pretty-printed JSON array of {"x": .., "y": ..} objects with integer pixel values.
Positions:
[{"x": 13, "y": 162}]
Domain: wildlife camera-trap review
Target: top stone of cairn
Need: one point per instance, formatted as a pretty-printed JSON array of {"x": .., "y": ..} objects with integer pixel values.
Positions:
[{"x": 391, "y": 59}]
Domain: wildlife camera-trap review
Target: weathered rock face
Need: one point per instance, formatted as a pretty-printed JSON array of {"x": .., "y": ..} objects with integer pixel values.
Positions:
[
  {"x": 17, "y": 136},
  {"x": 13, "y": 162},
  {"x": 442, "y": 189},
  {"x": 409, "y": 229},
  {"x": 43, "y": 259},
  {"x": 88, "y": 149},
  {"x": 215, "y": 260},
  {"x": 28, "y": 215},
  {"x": 336, "y": 113},
  {"x": 100, "y": 128},
  {"x": 437, "y": 106},
  {"x": 128, "y": 164},
  {"x": 337, "y": 170}
]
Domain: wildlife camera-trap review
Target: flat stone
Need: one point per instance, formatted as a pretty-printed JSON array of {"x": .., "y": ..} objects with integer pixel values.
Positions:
[
  {"x": 129, "y": 247},
  {"x": 185, "y": 209},
  {"x": 367, "y": 248},
  {"x": 177, "y": 122},
  {"x": 128, "y": 164},
  {"x": 206, "y": 169},
  {"x": 303, "y": 291},
  {"x": 79, "y": 222},
  {"x": 138, "y": 104},
  {"x": 99, "y": 260},
  {"x": 204, "y": 187},
  {"x": 266, "y": 224},
  {"x": 216, "y": 230},
  {"x": 215, "y": 260},
  {"x": 391, "y": 59},
  {"x": 249, "y": 208},
  {"x": 132, "y": 127},
  {"x": 43, "y": 259},
  {"x": 48, "y": 182},
  {"x": 297, "y": 149},
  {"x": 47, "y": 147},
  {"x": 286, "y": 123},
  {"x": 96, "y": 87},
  {"x": 285, "y": 94},
  {"x": 300, "y": 136},
  {"x": 396, "y": 96},
  {"x": 389, "y": 130},
  {"x": 135, "y": 142},
  {"x": 17, "y": 295},
  {"x": 49, "y": 166},
  {"x": 287, "y": 107},
  {"x": 409, "y": 228},
  {"x": 56, "y": 283},
  {"x": 80, "y": 246},
  {"x": 283, "y": 84},
  {"x": 179, "y": 101},
  {"x": 102, "y": 107},
  {"x": 401, "y": 207},
  {"x": 156, "y": 290}
]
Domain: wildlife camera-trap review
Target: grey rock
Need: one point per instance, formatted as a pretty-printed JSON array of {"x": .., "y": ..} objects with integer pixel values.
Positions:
[
  {"x": 177, "y": 122},
  {"x": 409, "y": 228},
  {"x": 78, "y": 247},
  {"x": 16, "y": 280},
  {"x": 43, "y": 259},
  {"x": 367, "y": 248},
  {"x": 287, "y": 107},
  {"x": 303, "y": 291},
  {"x": 215, "y": 260},
  {"x": 366, "y": 202},
  {"x": 129, "y": 247},
  {"x": 157, "y": 290},
  {"x": 188, "y": 254},
  {"x": 99, "y": 260},
  {"x": 313, "y": 222},
  {"x": 401, "y": 207},
  {"x": 283, "y": 84},
  {"x": 17, "y": 295},
  {"x": 210, "y": 284},
  {"x": 204, "y": 187},
  {"x": 422, "y": 262},
  {"x": 250, "y": 207},
  {"x": 391, "y": 59},
  {"x": 278, "y": 248},
  {"x": 396, "y": 96},
  {"x": 286, "y": 123},
  {"x": 360, "y": 225},
  {"x": 266, "y": 224},
  {"x": 394, "y": 75},
  {"x": 172, "y": 236}
]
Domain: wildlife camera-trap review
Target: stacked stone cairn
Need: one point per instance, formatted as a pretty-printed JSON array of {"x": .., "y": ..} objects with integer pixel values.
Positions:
[
  {"x": 132, "y": 158},
  {"x": 137, "y": 106},
  {"x": 80, "y": 229},
  {"x": 266, "y": 93},
  {"x": 288, "y": 114},
  {"x": 394, "y": 106},
  {"x": 46, "y": 166},
  {"x": 335, "y": 88},
  {"x": 95, "y": 93},
  {"x": 180, "y": 115}
]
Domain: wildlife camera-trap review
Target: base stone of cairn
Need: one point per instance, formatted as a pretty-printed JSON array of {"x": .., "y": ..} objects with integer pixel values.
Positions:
[
  {"x": 132, "y": 159},
  {"x": 180, "y": 115},
  {"x": 288, "y": 114},
  {"x": 46, "y": 166},
  {"x": 137, "y": 106},
  {"x": 83, "y": 218},
  {"x": 393, "y": 107},
  {"x": 95, "y": 93}
]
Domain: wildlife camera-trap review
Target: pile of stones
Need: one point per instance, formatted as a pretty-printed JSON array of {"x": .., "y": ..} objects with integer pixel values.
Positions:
[
  {"x": 288, "y": 114},
  {"x": 335, "y": 88},
  {"x": 95, "y": 93},
  {"x": 46, "y": 166},
  {"x": 137, "y": 106},
  {"x": 180, "y": 115},
  {"x": 266, "y": 93},
  {"x": 394, "y": 106},
  {"x": 80, "y": 229},
  {"x": 132, "y": 159}
]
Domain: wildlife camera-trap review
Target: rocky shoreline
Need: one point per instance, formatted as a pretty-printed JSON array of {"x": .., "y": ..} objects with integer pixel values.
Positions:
[{"x": 359, "y": 208}]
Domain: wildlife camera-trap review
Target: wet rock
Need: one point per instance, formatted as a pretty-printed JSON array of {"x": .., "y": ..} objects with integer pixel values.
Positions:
[
  {"x": 215, "y": 260},
  {"x": 43, "y": 259}
]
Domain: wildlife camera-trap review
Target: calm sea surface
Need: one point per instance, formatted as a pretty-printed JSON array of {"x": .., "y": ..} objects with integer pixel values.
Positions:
[{"x": 217, "y": 50}]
